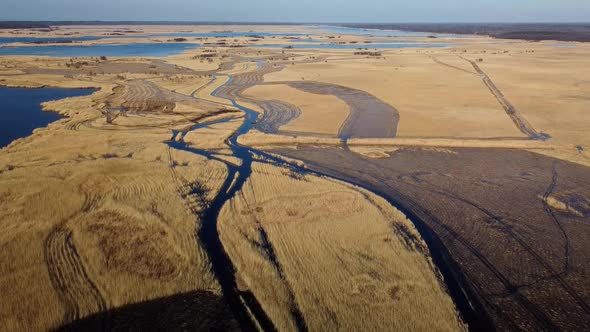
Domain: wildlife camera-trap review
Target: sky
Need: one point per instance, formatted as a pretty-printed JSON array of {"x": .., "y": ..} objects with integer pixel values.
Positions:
[{"x": 317, "y": 11}]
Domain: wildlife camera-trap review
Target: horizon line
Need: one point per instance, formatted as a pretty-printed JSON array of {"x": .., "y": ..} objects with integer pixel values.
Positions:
[{"x": 284, "y": 22}]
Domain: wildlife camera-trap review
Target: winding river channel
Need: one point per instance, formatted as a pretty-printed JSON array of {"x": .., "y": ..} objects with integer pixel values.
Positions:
[{"x": 244, "y": 304}]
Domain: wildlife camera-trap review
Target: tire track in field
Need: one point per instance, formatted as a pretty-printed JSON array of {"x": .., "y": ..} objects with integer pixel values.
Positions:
[
  {"x": 551, "y": 214},
  {"x": 276, "y": 114},
  {"x": 77, "y": 292},
  {"x": 553, "y": 273}
]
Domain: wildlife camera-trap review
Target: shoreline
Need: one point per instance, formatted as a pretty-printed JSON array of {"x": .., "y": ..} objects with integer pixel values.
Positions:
[{"x": 42, "y": 107}]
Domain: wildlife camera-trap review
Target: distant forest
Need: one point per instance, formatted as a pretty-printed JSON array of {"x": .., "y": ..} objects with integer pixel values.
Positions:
[{"x": 527, "y": 31}]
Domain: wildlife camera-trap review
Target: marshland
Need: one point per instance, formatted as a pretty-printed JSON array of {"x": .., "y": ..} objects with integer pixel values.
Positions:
[{"x": 291, "y": 178}]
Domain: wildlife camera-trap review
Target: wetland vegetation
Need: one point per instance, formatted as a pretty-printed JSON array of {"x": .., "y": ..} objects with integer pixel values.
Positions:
[{"x": 237, "y": 186}]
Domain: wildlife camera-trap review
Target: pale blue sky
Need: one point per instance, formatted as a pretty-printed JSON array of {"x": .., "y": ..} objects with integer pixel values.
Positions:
[{"x": 301, "y": 10}]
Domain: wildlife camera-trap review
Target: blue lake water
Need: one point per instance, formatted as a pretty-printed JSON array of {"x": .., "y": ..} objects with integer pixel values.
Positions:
[
  {"x": 307, "y": 40},
  {"x": 354, "y": 46},
  {"x": 215, "y": 34},
  {"x": 170, "y": 48},
  {"x": 9, "y": 40},
  {"x": 228, "y": 34},
  {"x": 114, "y": 50},
  {"x": 21, "y": 110},
  {"x": 166, "y": 49},
  {"x": 380, "y": 33},
  {"x": 376, "y": 41}
]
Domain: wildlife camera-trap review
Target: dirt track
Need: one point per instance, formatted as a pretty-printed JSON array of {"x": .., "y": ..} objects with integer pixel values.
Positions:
[{"x": 521, "y": 123}]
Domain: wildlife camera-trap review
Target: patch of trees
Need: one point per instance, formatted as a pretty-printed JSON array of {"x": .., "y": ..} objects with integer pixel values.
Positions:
[
  {"x": 206, "y": 55},
  {"x": 368, "y": 53},
  {"x": 77, "y": 64}
]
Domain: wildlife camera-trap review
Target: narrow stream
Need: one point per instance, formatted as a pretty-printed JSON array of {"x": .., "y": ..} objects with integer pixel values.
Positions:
[{"x": 244, "y": 304}]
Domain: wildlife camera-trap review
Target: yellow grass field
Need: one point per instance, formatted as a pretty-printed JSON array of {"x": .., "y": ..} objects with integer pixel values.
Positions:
[
  {"x": 97, "y": 209},
  {"x": 433, "y": 100},
  {"x": 549, "y": 86},
  {"x": 343, "y": 256}
]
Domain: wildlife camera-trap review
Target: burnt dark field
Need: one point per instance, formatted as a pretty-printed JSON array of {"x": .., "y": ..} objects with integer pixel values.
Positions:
[{"x": 516, "y": 224}]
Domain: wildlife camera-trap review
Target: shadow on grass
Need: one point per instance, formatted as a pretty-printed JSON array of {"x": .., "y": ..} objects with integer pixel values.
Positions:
[{"x": 192, "y": 311}]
